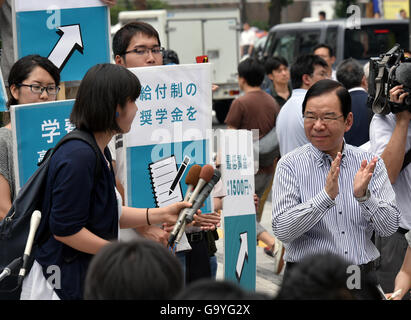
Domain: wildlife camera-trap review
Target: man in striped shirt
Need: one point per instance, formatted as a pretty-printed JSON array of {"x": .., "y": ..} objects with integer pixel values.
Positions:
[{"x": 329, "y": 196}]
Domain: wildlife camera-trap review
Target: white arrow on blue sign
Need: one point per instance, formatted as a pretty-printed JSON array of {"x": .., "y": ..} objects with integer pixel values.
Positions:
[
  {"x": 73, "y": 34},
  {"x": 242, "y": 256},
  {"x": 69, "y": 42}
]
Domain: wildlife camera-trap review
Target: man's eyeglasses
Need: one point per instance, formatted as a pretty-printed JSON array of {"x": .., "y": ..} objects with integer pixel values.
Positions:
[
  {"x": 311, "y": 118},
  {"x": 35, "y": 88},
  {"x": 145, "y": 51}
]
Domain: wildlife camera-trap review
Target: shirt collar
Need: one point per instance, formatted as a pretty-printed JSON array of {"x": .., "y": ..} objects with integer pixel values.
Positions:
[
  {"x": 357, "y": 89},
  {"x": 321, "y": 158},
  {"x": 299, "y": 92}
]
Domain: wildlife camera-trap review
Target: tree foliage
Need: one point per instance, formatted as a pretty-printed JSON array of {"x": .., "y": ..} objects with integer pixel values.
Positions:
[
  {"x": 341, "y": 7},
  {"x": 274, "y": 9},
  {"x": 130, "y": 5}
]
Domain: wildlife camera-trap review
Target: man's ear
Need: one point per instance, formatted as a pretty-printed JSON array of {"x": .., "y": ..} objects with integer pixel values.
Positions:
[
  {"x": 270, "y": 76},
  {"x": 306, "y": 80},
  {"x": 119, "y": 60},
  {"x": 364, "y": 83},
  {"x": 349, "y": 121},
  {"x": 241, "y": 81}
]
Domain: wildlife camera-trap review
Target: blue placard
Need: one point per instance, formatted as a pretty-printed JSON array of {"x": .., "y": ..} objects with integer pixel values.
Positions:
[
  {"x": 74, "y": 39},
  {"x": 37, "y": 128},
  {"x": 170, "y": 127},
  {"x": 240, "y": 250},
  {"x": 3, "y": 94}
]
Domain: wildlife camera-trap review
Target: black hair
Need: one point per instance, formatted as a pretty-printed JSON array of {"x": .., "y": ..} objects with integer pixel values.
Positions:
[
  {"x": 170, "y": 57},
  {"x": 326, "y": 86},
  {"x": 304, "y": 64},
  {"x": 252, "y": 71},
  {"x": 210, "y": 289},
  {"x": 350, "y": 73},
  {"x": 103, "y": 88},
  {"x": 135, "y": 270},
  {"x": 121, "y": 39},
  {"x": 325, "y": 277},
  {"x": 273, "y": 63},
  {"x": 323, "y": 45},
  {"x": 22, "y": 68}
]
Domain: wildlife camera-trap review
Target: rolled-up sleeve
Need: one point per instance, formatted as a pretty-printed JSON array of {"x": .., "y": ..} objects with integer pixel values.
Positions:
[{"x": 381, "y": 208}]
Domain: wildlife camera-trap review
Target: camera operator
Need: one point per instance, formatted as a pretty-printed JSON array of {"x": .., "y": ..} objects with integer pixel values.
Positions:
[{"x": 390, "y": 137}]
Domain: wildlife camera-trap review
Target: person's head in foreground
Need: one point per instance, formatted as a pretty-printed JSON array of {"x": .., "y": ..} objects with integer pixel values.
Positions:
[{"x": 136, "y": 270}]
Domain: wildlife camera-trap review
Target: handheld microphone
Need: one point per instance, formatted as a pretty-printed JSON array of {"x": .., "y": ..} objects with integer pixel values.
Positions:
[
  {"x": 34, "y": 224},
  {"x": 202, "y": 196},
  {"x": 206, "y": 174},
  {"x": 192, "y": 178},
  {"x": 204, "y": 177},
  {"x": 8, "y": 270}
]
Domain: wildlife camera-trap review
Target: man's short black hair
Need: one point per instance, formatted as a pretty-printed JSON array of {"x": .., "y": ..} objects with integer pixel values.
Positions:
[
  {"x": 103, "y": 88},
  {"x": 137, "y": 270},
  {"x": 273, "y": 63},
  {"x": 252, "y": 71},
  {"x": 170, "y": 57},
  {"x": 122, "y": 38},
  {"x": 323, "y": 45},
  {"x": 325, "y": 277},
  {"x": 326, "y": 86},
  {"x": 305, "y": 64},
  {"x": 210, "y": 289},
  {"x": 350, "y": 73}
]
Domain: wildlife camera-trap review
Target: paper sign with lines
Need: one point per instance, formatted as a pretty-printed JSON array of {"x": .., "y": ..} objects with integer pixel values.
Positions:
[{"x": 162, "y": 175}]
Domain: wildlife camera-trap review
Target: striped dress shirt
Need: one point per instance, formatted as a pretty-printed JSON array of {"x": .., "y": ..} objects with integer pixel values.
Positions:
[{"x": 309, "y": 222}]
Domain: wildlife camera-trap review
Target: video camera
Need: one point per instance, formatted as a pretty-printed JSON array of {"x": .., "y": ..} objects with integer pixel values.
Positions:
[{"x": 387, "y": 71}]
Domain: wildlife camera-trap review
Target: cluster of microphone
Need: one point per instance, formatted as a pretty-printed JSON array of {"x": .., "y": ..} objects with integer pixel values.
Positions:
[{"x": 200, "y": 181}]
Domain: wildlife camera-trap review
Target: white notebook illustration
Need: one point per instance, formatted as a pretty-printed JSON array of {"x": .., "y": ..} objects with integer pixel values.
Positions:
[{"x": 162, "y": 174}]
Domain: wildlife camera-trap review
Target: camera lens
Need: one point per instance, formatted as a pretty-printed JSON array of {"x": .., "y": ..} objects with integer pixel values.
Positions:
[{"x": 407, "y": 101}]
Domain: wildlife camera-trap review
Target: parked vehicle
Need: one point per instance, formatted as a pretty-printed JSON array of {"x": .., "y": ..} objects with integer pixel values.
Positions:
[{"x": 369, "y": 39}]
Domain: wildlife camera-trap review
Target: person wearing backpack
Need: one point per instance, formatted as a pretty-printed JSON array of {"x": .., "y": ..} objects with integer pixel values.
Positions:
[
  {"x": 84, "y": 214},
  {"x": 32, "y": 79}
]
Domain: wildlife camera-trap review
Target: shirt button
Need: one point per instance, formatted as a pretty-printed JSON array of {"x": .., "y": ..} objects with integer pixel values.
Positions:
[
  {"x": 340, "y": 212},
  {"x": 343, "y": 232},
  {"x": 346, "y": 252}
]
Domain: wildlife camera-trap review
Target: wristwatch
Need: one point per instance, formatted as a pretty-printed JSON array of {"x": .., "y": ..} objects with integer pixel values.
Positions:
[{"x": 364, "y": 198}]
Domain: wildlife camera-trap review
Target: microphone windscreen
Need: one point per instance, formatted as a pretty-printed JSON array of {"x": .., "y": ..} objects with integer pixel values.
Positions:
[
  {"x": 403, "y": 74},
  {"x": 207, "y": 172},
  {"x": 193, "y": 175}
]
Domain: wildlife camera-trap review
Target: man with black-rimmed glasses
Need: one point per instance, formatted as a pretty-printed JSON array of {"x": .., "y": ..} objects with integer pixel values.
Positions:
[{"x": 329, "y": 196}]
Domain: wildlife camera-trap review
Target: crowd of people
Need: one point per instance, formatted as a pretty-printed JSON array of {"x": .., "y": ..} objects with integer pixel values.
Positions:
[{"x": 340, "y": 192}]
